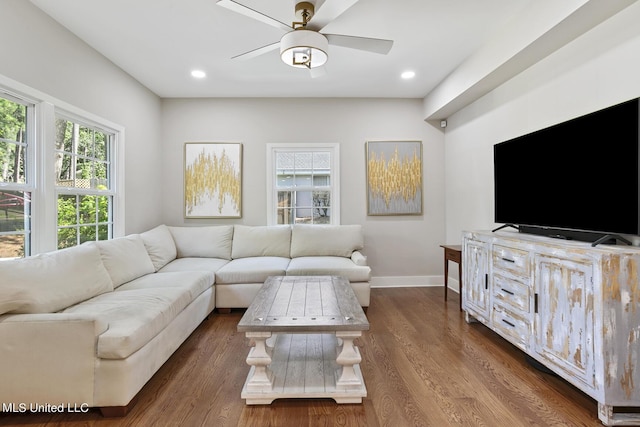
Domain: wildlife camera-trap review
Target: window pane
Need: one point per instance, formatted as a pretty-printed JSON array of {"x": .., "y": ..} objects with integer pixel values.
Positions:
[
  {"x": 284, "y": 212},
  {"x": 15, "y": 223},
  {"x": 67, "y": 210},
  {"x": 303, "y": 161},
  {"x": 87, "y": 233},
  {"x": 12, "y": 162},
  {"x": 302, "y": 181},
  {"x": 285, "y": 199},
  {"x": 67, "y": 237},
  {"x": 84, "y": 172},
  {"x": 15, "y": 210},
  {"x": 82, "y": 157},
  {"x": 64, "y": 135},
  {"x": 285, "y": 216},
  {"x": 85, "y": 141},
  {"x": 104, "y": 208},
  {"x": 100, "y": 182},
  {"x": 87, "y": 209},
  {"x": 63, "y": 170},
  {"x": 303, "y": 206},
  {"x": 284, "y": 161},
  {"x": 100, "y": 147},
  {"x": 322, "y": 205},
  {"x": 103, "y": 232},
  {"x": 13, "y": 245},
  {"x": 322, "y": 160},
  {"x": 284, "y": 180},
  {"x": 13, "y": 138},
  {"x": 321, "y": 181}
]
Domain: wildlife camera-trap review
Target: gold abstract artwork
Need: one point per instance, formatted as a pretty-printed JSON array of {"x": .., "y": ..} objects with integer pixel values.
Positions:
[
  {"x": 394, "y": 177},
  {"x": 213, "y": 180}
]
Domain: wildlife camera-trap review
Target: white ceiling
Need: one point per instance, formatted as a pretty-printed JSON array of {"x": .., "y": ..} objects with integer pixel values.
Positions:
[{"x": 159, "y": 42}]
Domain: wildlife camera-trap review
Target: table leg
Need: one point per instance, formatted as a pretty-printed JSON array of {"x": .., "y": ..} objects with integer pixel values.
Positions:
[
  {"x": 446, "y": 276},
  {"x": 460, "y": 282},
  {"x": 348, "y": 356},
  {"x": 259, "y": 359}
]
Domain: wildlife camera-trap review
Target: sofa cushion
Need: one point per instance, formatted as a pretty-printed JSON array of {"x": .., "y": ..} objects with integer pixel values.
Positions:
[
  {"x": 160, "y": 246},
  {"x": 49, "y": 282},
  {"x": 325, "y": 240},
  {"x": 134, "y": 316},
  {"x": 252, "y": 270},
  {"x": 203, "y": 242},
  {"x": 255, "y": 241},
  {"x": 196, "y": 282},
  {"x": 328, "y": 266},
  {"x": 125, "y": 258},
  {"x": 193, "y": 264}
]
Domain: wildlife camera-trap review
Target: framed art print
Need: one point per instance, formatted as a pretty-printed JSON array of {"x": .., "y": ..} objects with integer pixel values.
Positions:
[
  {"x": 394, "y": 177},
  {"x": 212, "y": 180}
]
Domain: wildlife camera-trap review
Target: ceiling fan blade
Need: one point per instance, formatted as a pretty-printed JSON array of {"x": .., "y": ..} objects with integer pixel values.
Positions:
[
  {"x": 257, "y": 52},
  {"x": 252, "y": 13},
  {"x": 318, "y": 72},
  {"x": 362, "y": 43},
  {"x": 328, "y": 11}
]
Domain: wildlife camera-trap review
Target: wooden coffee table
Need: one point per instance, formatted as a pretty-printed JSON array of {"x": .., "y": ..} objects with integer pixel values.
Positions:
[{"x": 303, "y": 328}]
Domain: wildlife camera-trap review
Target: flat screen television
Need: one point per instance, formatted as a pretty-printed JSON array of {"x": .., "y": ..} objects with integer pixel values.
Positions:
[{"x": 574, "y": 180}]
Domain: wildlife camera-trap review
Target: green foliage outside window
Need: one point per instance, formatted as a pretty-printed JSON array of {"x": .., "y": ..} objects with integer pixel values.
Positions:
[
  {"x": 82, "y": 219},
  {"x": 12, "y": 139}
]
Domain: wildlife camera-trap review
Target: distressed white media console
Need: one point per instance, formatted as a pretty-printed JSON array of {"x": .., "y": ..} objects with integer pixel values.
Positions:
[{"x": 572, "y": 307}]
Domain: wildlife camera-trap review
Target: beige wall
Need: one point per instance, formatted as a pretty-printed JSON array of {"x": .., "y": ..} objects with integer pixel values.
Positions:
[{"x": 397, "y": 246}]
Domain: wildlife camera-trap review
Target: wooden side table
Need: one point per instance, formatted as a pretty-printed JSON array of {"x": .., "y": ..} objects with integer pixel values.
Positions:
[{"x": 452, "y": 253}]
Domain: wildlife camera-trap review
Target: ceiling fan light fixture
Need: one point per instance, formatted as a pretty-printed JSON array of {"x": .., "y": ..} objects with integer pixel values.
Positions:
[{"x": 304, "y": 49}]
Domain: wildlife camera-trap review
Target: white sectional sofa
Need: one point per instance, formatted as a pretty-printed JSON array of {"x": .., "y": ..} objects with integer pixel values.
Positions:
[{"x": 88, "y": 326}]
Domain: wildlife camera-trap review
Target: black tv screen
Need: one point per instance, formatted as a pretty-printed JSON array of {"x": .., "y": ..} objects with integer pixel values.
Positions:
[{"x": 582, "y": 174}]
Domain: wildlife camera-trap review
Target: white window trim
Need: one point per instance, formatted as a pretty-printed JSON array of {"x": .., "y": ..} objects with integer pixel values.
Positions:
[
  {"x": 44, "y": 212},
  {"x": 272, "y": 148}
]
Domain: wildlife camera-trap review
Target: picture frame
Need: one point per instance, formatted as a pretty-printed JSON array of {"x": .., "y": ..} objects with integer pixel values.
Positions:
[
  {"x": 212, "y": 180},
  {"x": 394, "y": 177}
]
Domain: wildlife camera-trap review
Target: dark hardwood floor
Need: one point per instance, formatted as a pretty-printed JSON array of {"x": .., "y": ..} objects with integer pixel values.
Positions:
[{"x": 422, "y": 365}]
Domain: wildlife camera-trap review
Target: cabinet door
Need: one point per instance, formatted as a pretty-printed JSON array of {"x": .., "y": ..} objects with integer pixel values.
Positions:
[
  {"x": 475, "y": 295},
  {"x": 565, "y": 318}
]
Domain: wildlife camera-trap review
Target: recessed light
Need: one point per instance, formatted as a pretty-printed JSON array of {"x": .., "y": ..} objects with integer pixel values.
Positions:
[
  {"x": 408, "y": 74},
  {"x": 198, "y": 74}
]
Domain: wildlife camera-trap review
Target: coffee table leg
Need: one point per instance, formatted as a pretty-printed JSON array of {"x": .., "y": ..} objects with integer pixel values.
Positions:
[
  {"x": 348, "y": 356},
  {"x": 260, "y": 359}
]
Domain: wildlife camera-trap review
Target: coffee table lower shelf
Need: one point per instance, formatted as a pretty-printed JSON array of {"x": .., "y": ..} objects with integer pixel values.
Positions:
[{"x": 299, "y": 365}]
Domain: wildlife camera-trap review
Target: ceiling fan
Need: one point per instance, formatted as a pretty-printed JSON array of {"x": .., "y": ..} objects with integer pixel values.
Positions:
[{"x": 304, "y": 45}]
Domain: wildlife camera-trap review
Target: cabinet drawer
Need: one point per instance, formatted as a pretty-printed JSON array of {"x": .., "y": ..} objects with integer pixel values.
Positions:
[
  {"x": 514, "y": 327},
  {"x": 512, "y": 293},
  {"x": 510, "y": 259}
]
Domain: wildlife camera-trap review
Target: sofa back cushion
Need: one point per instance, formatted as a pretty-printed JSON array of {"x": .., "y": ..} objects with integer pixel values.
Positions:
[
  {"x": 125, "y": 258},
  {"x": 52, "y": 281},
  {"x": 160, "y": 246},
  {"x": 325, "y": 240},
  {"x": 203, "y": 242},
  {"x": 256, "y": 241}
]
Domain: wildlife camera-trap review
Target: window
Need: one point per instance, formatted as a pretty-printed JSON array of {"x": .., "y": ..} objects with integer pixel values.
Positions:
[
  {"x": 304, "y": 183},
  {"x": 16, "y": 130},
  {"x": 83, "y": 185},
  {"x": 61, "y": 172}
]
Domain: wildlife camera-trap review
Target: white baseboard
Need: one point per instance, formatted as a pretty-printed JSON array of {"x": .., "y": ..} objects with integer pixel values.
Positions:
[{"x": 412, "y": 282}]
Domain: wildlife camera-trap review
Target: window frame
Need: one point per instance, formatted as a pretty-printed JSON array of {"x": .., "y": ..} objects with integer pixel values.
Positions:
[
  {"x": 28, "y": 186},
  {"x": 41, "y": 162},
  {"x": 272, "y": 190},
  {"x": 79, "y": 192}
]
